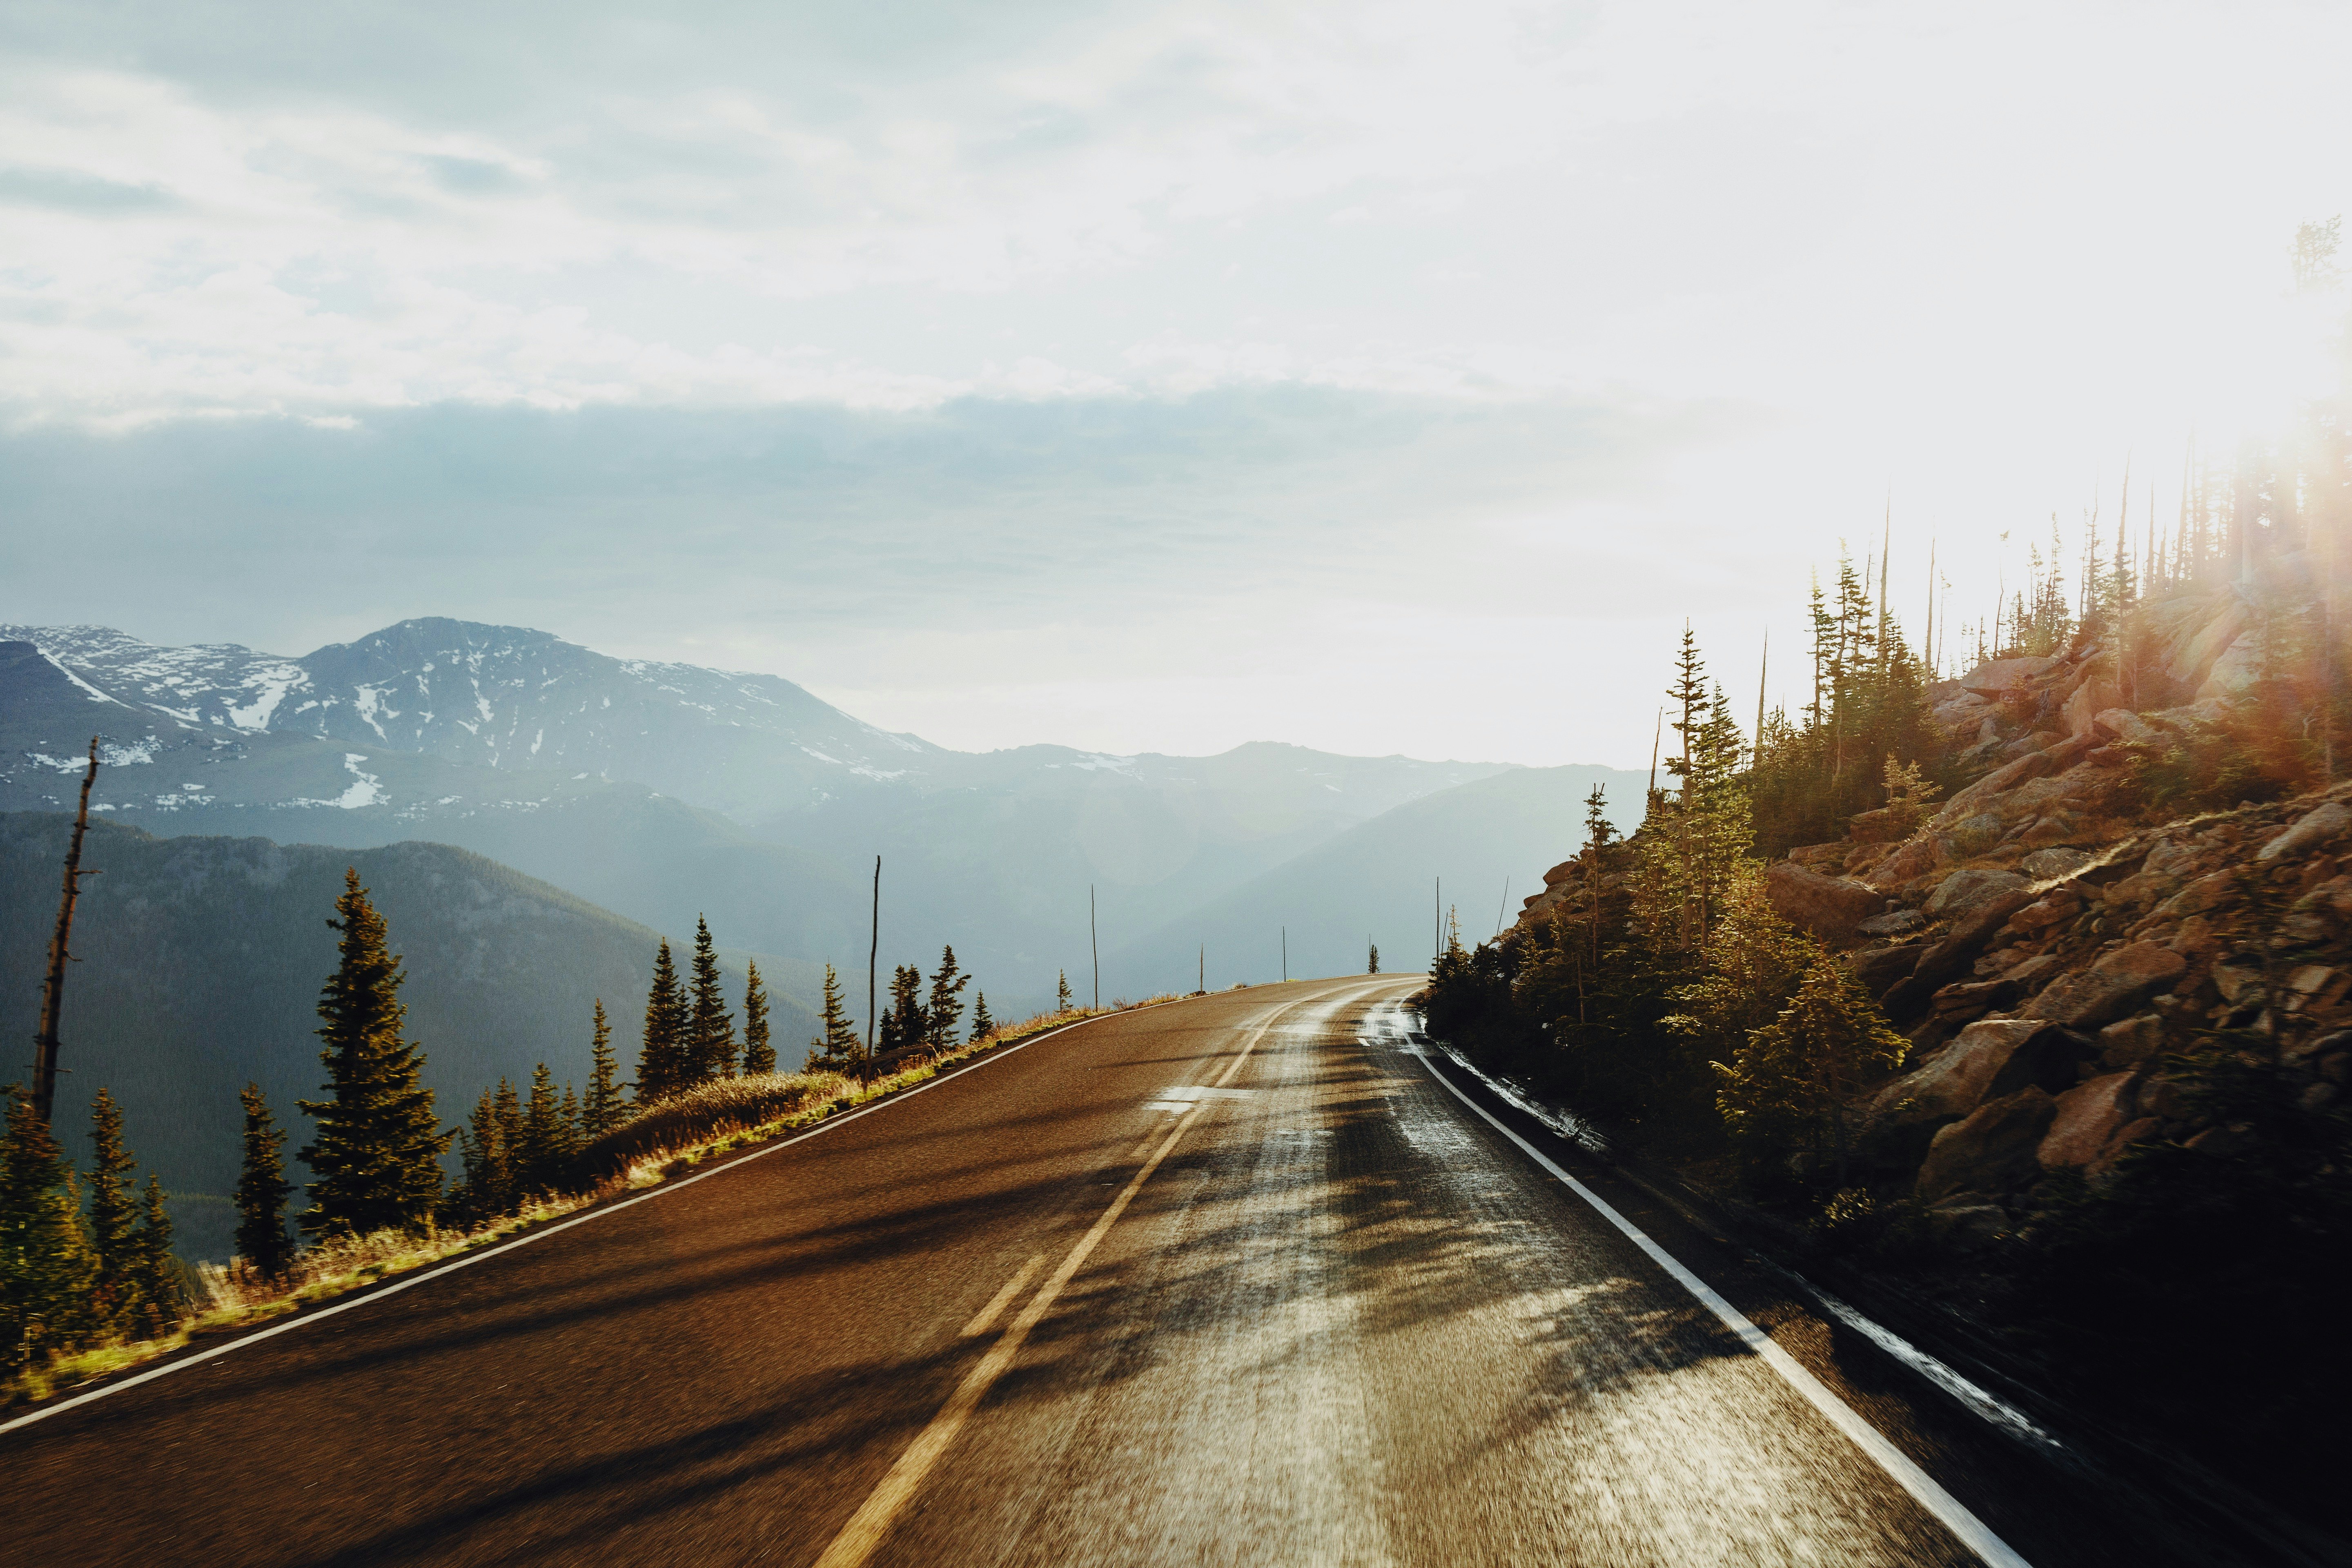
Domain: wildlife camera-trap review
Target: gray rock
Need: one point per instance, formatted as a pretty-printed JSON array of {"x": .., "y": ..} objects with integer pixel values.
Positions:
[
  {"x": 1954, "y": 1080},
  {"x": 2110, "y": 987},
  {"x": 2132, "y": 1041},
  {"x": 1830, "y": 908},
  {"x": 1995, "y": 1149},
  {"x": 2316, "y": 827},
  {"x": 1892, "y": 924},
  {"x": 2085, "y": 1121},
  {"x": 1964, "y": 893}
]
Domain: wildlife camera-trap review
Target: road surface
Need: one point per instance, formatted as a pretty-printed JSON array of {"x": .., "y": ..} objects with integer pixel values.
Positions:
[{"x": 1233, "y": 1281}]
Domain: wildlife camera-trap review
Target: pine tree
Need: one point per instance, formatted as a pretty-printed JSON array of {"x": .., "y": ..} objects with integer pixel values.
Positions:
[
  {"x": 661, "y": 1064},
  {"x": 902, "y": 1022},
  {"x": 377, "y": 1156},
  {"x": 543, "y": 1148},
  {"x": 601, "y": 1108},
  {"x": 488, "y": 1191},
  {"x": 1373, "y": 958},
  {"x": 568, "y": 1119},
  {"x": 154, "y": 1272},
  {"x": 709, "y": 1030},
  {"x": 45, "y": 1260},
  {"x": 944, "y": 1010},
  {"x": 837, "y": 1048},
  {"x": 1061, "y": 991},
  {"x": 261, "y": 1193},
  {"x": 1790, "y": 1084},
  {"x": 506, "y": 1117},
  {"x": 114, "y": 1295},
  {"x": 759, "y": 1052},
  {"x": 982, "y": 1026}
]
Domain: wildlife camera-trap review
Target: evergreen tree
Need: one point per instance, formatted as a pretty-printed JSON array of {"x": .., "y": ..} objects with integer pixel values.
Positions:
[
  {"x": 982, "y": 1026},
  {"x": 709, "y": 1029},
  {"x": 568, "y": 1119},
  {"x": 506, "y": 1117},
  {"x": 1789, "y": 1085},
  {"x": 377, "y": 1156},
  {"x": 1061, "y": 991},
  {"x": 944, "y": 1010},
  {"x": 488, "y": 1189},
  {"x": 837, "y": 1048},
  {"x": 45, "y": 1260},
  {"x": 601, "y": 1108},
  {"x": 662, "y": 1067},
  {"x": 261, "y": 1193},
  {"x": 1373, "y": 958},
  {"x": 759, "y": 1052},
  {"x": 542, "y": 1146},
  {"x": 114, "y": 1294},
  {"x": 902, "y": 1021},
  {"x": 154, "y": 1272}
]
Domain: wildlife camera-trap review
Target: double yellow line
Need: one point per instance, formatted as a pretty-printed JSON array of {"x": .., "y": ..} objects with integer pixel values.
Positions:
[{"x": 864, "y": 1533}]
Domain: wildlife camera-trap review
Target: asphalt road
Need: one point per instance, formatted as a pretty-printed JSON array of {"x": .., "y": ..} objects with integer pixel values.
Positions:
[{"x": 1310, "y": 1308}]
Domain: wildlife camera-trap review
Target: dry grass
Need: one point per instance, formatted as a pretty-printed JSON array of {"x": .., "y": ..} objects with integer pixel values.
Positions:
[{"x": 664, "y": 1140}]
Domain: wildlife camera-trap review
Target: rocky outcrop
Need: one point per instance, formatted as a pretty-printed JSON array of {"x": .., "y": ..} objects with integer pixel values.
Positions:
[
  {"x": 1995, "y": 1149},
  {"x": 1830, "y": 908}
]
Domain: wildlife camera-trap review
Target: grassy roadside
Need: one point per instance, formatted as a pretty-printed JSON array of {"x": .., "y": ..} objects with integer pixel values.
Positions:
[{"x": 234, "y": 1299}]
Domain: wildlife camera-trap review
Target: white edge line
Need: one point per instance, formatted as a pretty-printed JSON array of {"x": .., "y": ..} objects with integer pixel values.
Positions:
[
  {"x": 1947, "y": 1509},
  {"x": 305, "y": 1319},
  {"x": 1984, "y": 1405}
]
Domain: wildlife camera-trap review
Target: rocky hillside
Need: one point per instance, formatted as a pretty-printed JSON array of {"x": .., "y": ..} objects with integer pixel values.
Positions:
[{"x": 2136, "y": 862}]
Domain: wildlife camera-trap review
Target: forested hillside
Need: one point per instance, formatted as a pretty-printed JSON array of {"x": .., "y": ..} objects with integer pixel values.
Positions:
[{"x": 202, "y": 959}]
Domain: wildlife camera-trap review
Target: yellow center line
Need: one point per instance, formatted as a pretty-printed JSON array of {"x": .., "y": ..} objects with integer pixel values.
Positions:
[
  {"x": 985, "y": 1319},
  {"x": 864, "y": 1533}
]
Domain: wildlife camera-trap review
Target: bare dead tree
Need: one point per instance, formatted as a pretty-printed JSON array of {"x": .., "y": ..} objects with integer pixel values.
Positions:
[{"x": 53, "y": 989}]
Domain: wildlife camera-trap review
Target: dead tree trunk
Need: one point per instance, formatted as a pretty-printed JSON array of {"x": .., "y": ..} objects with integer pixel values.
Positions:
[{"x": 53, "y": 990}]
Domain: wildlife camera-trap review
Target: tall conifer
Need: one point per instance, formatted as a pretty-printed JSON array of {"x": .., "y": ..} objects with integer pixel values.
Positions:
[
  {"x": 837, "y": 1048},
  {"x": 710, "y": 1028},
  {"x": 45, "y": 1260},
  {"x": 601, "y": 1108},
  {"x": 944, "y": 1009},
  {"x": 1061, "y": 991},
  {"x": 377, "y": 1156},
  {"x": 902, "y": 1024},
  {"x": 661, "y": 1064},
  {"x": 759, "y": 1051},
  {"x": 113, "y": 1208},
  {"x": 982, "y": 1026},
  {"x": 543, "y": 1150},
  {"x": 261, "y": 1192},
  {"x": 154, "y": 1272}
]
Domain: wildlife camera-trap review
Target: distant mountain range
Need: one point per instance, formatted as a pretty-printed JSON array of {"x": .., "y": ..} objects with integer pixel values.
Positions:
[{"x": 665, "y": 791}]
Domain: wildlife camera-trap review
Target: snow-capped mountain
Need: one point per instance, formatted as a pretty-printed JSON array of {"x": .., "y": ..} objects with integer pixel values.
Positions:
[{"x": 505, "y": 697}]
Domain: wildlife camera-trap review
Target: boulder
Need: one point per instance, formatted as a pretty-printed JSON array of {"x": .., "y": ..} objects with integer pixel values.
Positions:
[
  {"x": 2131, "y": 1041},
  {"x": 2191, "y": 666},
  {"x": 1972, "y": 837},
  {"x": 2029, "y": 975},
  {"x": 1832, "y": 907},
  {"x": 2109, "y": 988},
  {"x": 1954, "y": 1080},
  {"x": 1894, "y": 924},
  {"x": 2210, "y": 891},
  {"x": 2094, "y": 697},
  {"x": 1996, "y": 1149},
  {"x": 2050, "y": 909},
  {"x": 2124, "y": 725},
  {"x": 1887, "y": 824},
  {"x": 2008, "y": 777},
  {"x": 2050, "y": 1059},
  {"x": 1996, "y": 677},
  {"x": 2085, "y": 1121},
  {"x": 1944, "y": 961},
  {"x": 2315, "y": 828},
  {"x": 1964, "y": 893}
]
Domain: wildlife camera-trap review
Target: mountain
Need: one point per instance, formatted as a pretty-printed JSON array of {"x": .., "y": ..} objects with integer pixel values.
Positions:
[
  {"x": 665, "y": 791},
  {"x": 1376, "y": 881},
  {"x": 202, "y": 960}
]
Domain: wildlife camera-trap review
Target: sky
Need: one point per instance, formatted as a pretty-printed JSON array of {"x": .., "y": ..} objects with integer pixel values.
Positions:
[{"x": 1384, "y": 378}]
